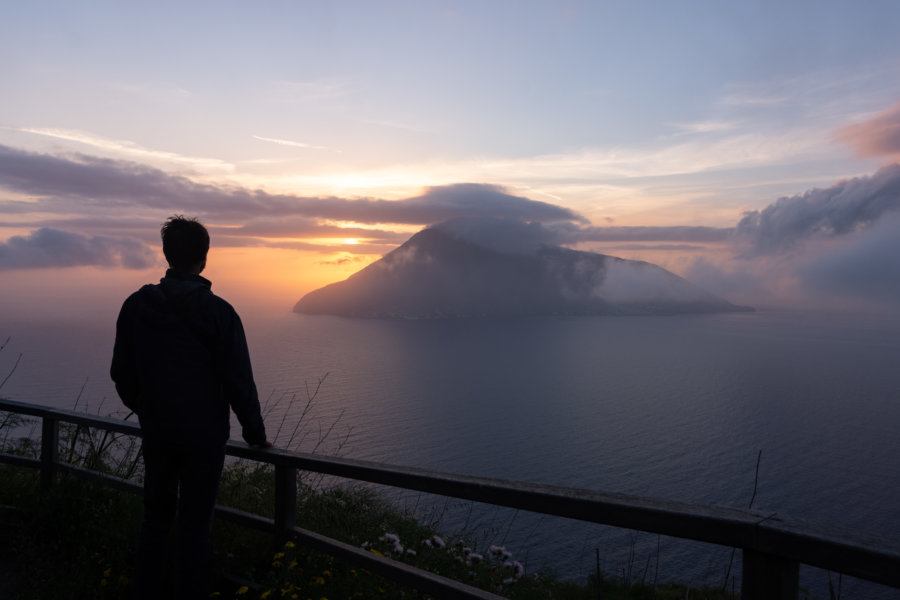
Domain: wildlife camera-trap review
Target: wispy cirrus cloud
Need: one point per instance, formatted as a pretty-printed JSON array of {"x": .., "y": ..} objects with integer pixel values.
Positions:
[
  {"x": 127, "y": 148},
  {"x": 294, "y": 144}
]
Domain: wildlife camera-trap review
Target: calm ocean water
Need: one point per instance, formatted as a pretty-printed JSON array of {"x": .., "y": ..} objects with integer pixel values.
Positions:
[{"x": 674, "y": 407}]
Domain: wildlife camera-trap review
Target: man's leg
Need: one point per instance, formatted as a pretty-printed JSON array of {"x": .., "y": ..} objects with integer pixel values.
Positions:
[
  {"x": 160, "y": 501},
  {"x": 199, "y": 483}
]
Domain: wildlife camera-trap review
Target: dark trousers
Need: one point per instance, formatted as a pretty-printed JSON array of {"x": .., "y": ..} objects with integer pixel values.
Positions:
[{"x": 180, "y": 482}]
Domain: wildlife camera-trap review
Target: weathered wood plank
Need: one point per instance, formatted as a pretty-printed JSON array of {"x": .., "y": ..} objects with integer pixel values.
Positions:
[
  {"x": 49, "y": 451},
  {"x": 20, "y": 461},
  {"x": 285, "y": 500}
]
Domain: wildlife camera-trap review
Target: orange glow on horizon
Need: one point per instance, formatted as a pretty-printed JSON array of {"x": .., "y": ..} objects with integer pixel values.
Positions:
[{"x": 273, "y": 278}]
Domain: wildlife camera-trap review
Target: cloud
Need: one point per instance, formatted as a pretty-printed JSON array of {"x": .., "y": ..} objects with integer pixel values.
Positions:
[
  {"x": 519, "y": 237},
  {"x": 868, "y": 265},
  {"x": 843, "y": 208},
  {"x": 832, "y": 247},
  {"x": 878, "y": 136},
  {"x": 502, "y": 234},
  {"x": 129, "y": 148},
  {"x": 293, "y": 144},
  {"x": 79, "y": 183},
  {"x": 481, "y": 200},
  {"x": 825, "y": 247},
  {"x": 48, "y": 247}
]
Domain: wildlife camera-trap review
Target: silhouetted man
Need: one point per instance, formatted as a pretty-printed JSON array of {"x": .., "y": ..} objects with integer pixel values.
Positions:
[{"x": 180, "y": 361}]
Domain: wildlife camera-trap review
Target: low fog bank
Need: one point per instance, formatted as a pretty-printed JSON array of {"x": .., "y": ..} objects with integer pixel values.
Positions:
[{"x": 835, "y": 247}]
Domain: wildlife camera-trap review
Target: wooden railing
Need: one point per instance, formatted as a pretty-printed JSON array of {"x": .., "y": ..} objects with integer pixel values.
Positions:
[{"x": 773, "y": 546}]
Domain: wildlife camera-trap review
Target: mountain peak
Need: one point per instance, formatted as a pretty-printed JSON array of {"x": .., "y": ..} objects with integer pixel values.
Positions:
[{"x": 456, "y": 270}]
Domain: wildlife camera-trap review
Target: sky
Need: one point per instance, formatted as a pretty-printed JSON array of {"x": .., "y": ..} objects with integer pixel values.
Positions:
[{"x": 750, "y": 147}]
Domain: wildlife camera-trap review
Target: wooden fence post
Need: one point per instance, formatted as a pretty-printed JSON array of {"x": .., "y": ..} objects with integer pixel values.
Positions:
[
  {"x": 768, "y": 577},
  {"x": 49, "y": 451},
  {"x": 285, "y": 501}
]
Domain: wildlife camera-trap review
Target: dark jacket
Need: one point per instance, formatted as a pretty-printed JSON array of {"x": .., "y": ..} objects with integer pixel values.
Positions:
[{"x": 180, "y": 361}]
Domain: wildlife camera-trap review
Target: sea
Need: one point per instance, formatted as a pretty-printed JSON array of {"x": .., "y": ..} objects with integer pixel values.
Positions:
[{"x": 792, "y": 412}]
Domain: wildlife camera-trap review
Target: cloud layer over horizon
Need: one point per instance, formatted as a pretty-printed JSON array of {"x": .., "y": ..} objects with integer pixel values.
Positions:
[{"x": 839, "y": 238}]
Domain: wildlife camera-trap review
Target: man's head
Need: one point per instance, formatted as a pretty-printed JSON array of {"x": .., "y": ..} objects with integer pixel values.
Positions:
[{"x": 185, "y": 243}]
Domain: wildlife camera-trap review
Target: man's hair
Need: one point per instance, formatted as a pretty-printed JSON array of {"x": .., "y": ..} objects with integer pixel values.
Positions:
[{"x": 185, "y": 242}]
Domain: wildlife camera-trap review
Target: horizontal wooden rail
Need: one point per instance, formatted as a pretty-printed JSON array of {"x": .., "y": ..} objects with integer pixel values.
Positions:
[{"x": 773, "y": 545}]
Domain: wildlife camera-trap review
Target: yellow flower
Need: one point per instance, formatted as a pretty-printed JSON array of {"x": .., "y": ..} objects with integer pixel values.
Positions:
[
  {"x": 276, "y": 564},
  {"x": 278, "y": 555},
  {"x": 327, "y": 574},
  {"x": 102, "y": 583},
  {"x": 265, "y": 594},
  {"x": 293, "y": 565},
  {"x": 317, "y": 581},
  {"x": 242, "y": 590},
  {"x": 107, "y": 572},
  {"x": 353, "y": 572},
  {"x": 289, "y": 544}
]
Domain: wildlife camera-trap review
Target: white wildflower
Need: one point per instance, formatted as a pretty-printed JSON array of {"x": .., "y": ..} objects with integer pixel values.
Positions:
[
  {"x": 439, "y": 541},
  {"x": 516, "y": 567},
  {"x": 394, "y": 540}
]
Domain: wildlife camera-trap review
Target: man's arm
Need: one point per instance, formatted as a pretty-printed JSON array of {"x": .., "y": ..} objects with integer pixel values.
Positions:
[
  {"x": 124, "y": 369},
  {"x": 238, "y": 384}
]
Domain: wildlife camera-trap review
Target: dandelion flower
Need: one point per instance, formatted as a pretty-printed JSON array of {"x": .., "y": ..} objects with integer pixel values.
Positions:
[
  {"x": 289, "y": 544},
  {"x": 265, "y": 595},
  {"x": 242, "y": 590},
  {"x": 278, "y": 555}
]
